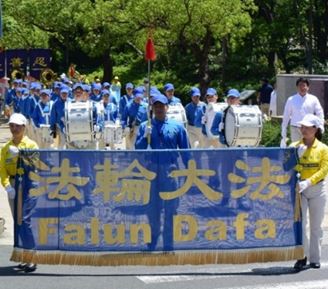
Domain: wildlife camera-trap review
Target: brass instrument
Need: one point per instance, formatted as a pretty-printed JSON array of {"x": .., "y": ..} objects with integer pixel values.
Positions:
[
  {"x": 17, "y": 74},
  {"x": 47, "y": 77}
]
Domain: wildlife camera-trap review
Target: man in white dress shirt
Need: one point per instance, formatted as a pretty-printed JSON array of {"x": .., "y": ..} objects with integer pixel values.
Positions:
[{"x": 296, "y": 107}]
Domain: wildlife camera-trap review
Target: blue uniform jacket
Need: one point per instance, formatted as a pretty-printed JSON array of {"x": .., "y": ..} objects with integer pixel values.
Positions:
[
  {"x": 134, "y": 114},
  {"x": 194, "y": 113}
]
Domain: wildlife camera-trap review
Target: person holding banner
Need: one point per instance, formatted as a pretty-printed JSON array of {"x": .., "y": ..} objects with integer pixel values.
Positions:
[
  {"x": 312, "y": 168},
  {"x": 164, "y": 134},
  {"x": 8, "y": 164}
]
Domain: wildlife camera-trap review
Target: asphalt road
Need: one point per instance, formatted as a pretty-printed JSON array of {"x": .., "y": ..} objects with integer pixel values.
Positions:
[{"x": 278, "y": 275}]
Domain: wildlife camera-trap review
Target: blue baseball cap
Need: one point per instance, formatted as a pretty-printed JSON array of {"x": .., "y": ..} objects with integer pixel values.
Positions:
[
  {"x": 78, "y": 85},
  {"x": 64, "y": 89},
  {"x": 211, "y": 91},
  {"x": 159, "y": 98},
  {"x": 86, "y": 87},
  {"x": 129, "y": 85},
  {"x": 138, "y": 92},
  {"x": 233, "y": 92},
  {"x": 35, "y": 85},
  {"x": 195, "y": 91},
  {"x": 105, "y": 92},
  {"x": 96, "y": 86},
  {"x": 45, "y": 92},
  {"x": 168, "y": 86},
  {"x": 106, "y": 84}
]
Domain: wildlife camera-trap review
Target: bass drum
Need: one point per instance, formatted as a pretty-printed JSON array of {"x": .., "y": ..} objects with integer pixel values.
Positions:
[
  {"x": 178, "y": 113},
  {"x": 243, "y": 125},
  {"x": 45, "y": 133},
  {"x": 211, "y": 110},
  {"x": 79, "y": 121},
  {"x": 113, "y": 133}
]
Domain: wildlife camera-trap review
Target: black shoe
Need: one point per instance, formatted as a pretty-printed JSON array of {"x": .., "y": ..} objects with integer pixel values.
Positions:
[
  {"x": 21, "y": 266},
  {"x": 315, "y": 265},
  {"x": 30, "y": 267},
  {"x": 300, "y": 264}
]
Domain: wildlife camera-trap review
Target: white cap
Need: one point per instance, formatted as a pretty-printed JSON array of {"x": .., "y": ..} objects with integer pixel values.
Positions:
[
  {"x": 17, "y": 118},
  {"x": 312, "y": 120}
]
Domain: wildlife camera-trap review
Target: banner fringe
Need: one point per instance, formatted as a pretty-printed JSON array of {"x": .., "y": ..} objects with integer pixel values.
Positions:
[{"x": 157, "y": 259}]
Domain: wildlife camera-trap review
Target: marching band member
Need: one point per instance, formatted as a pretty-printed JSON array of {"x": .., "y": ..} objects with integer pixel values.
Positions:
[
  {"x": 164, "y": 134},
  {"x": 126, "y": 98},
  {"x": 56, "y": 91},
  {"x": 169, "y": 92},
  {"x": 57, "y": 117},
  {"x": 134, "y": 114},
  {"x": 194, "y": 113},
  {"x": 218, "y": 125},
  {"x": 10, "y": 97},
  {"x": 80, "y": 96},
  {"x": 95, "y": 94},
  {"x": 107, "y": 114},
  {"x": 41, "y": 119},
  {"x": 31, "y": 104},
  {"x": 209, "y": 139}
]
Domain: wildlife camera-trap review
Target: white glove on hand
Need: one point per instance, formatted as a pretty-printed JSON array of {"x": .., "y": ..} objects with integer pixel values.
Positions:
[
  {"x": 97, "y": 128},
  {"x": 204, "y": 119},
  {"x": 14, "y": 151},
  {"x": 221, "y": 126},
  {"x": 301, "y": 150},
  {"x": 10, "y": 191},
  {"x": 303, "y": 185},
  {"x": 283, "y": 143},
  {"x": 147, "y": 131}
]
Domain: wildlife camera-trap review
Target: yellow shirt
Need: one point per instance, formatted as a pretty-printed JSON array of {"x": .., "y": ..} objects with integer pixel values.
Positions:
[
  {"x": 8, "y": 162},
  {"x": 313, "y": 165}
]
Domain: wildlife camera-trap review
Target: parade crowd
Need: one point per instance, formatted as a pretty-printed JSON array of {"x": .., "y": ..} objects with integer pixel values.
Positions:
[{"x": 96, "y": 116}]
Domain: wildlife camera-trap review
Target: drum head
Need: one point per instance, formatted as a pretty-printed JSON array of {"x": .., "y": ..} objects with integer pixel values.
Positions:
[{"x": 243, "y": 125}]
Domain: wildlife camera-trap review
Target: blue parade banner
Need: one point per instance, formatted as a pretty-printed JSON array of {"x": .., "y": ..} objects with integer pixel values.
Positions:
[
  {"x": 16, "y": 61},
  {"x": 39, "y": 60},
  {"x": 2, "y": 64},
  {"x": 157, "y": 207}
]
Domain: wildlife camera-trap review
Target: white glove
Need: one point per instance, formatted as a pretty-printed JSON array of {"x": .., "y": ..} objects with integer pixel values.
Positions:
[
  {"x": 14, "y": 151},
  {"x": 283, "y": 143},
  {"x": 221, "y": 126},
  {"x": 301, "y": 150},
  {"x": 96, "y": 128},
  {"x": 303, "y": 185},
  {"x": 147, "y": 131},
  {"x": 10, "y": 191},
  {"x": 204, "y": 119}
]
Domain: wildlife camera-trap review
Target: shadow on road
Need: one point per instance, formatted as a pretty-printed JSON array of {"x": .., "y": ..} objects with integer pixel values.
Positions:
[{"x": 271, "y": 271}]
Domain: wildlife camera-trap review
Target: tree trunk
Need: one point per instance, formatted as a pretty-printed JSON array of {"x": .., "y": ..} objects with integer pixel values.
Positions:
[{"x": 108, "y": 66}]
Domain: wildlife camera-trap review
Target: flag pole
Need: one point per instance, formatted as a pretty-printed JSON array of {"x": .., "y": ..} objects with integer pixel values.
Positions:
[{"x": 150, "y": 56}]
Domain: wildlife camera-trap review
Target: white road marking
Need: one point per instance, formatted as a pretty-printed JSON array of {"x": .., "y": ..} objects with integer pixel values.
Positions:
[
  {"x": 220, "y": 274},
  {"x": 321, "y": 284}
]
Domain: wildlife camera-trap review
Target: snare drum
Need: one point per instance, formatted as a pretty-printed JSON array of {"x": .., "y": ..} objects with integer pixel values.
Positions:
[
  {"x": 45, "y": 133},
  {"x": 178, "y": 113},
  {"x": 211, "y": 110},
  {"x": 113, "y": 133},
  {"x": 243, "y": 125},
  {"x": 79, "y": 121}
]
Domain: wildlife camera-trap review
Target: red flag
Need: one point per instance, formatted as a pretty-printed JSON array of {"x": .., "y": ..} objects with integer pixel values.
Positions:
[{"x": 150, "y": 50}]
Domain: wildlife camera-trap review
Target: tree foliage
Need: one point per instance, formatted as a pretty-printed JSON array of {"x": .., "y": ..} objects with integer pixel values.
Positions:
[{"x": 209, "y": 42}]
